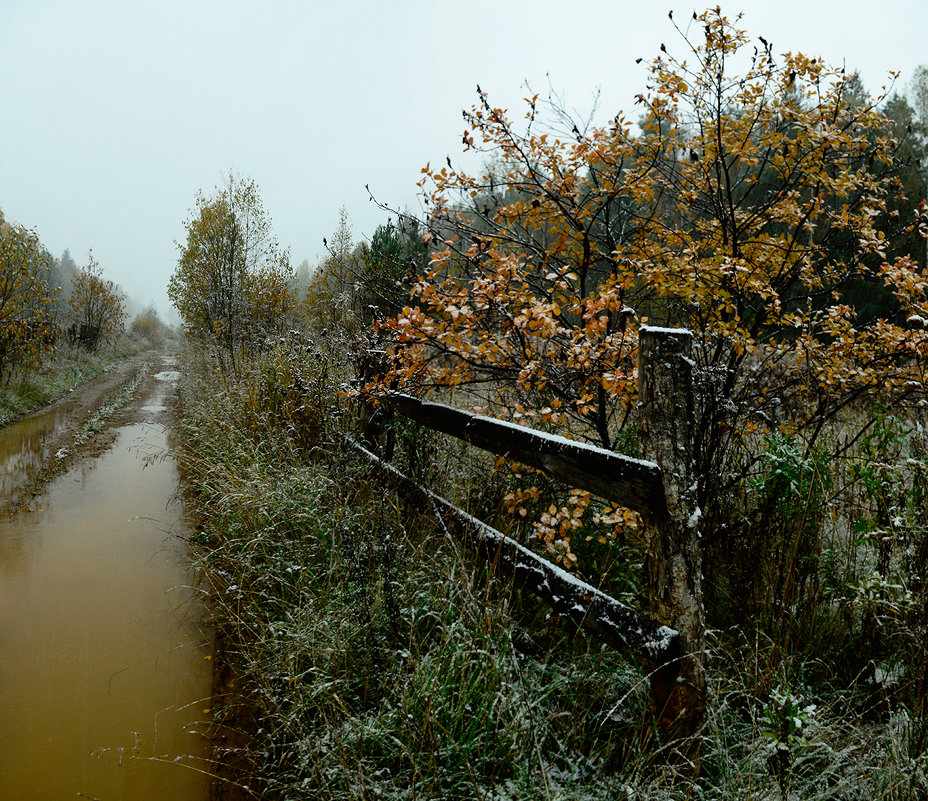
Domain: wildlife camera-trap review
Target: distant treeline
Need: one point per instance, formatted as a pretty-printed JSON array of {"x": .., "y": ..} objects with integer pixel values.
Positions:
[{"x": 46, "y": 301}]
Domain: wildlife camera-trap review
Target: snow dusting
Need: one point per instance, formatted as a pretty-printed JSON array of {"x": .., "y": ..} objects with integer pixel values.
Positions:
[
  {"x": 693, "y": 521},
  {"x": 561, "y": 442},
  {"x": 659, "y": 330}
]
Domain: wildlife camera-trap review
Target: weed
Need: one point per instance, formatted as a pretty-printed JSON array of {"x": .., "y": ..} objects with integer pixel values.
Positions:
[
  {"x": 373, "y": 659},
  {"x": 73, "y": 365}
]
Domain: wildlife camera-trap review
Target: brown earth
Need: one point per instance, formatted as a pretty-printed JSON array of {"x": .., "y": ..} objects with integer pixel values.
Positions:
[{"x": 94, "y": 410}]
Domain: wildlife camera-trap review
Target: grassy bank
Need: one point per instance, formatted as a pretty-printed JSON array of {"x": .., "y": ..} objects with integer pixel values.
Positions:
[
  {"x": 72, "y": 366},
  {"x": 366, "y": 656}
]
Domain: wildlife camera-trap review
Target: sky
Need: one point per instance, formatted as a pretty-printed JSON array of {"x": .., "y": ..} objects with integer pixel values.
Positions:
[{"x": 115, "y": 113}]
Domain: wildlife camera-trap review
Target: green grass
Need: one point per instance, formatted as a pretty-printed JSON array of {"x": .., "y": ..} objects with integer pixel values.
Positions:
[
  {"x": 30, "y": 390},
  {"x": 374, "y": 659}
]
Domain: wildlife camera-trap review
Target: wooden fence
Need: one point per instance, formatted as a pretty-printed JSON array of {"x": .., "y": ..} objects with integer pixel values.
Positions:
[{"x": 668, "y": 642}]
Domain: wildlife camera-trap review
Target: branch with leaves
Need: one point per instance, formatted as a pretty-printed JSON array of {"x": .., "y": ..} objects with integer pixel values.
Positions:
[{"x": 751, "y": 207}]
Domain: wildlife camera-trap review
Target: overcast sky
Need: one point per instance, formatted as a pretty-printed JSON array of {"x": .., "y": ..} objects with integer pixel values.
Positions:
[{"x": 115, "y": 112}]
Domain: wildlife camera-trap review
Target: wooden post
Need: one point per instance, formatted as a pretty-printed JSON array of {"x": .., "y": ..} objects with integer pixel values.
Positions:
[
  {"x": 674, "y": 558},
  {"x": 373, "y": 422}
]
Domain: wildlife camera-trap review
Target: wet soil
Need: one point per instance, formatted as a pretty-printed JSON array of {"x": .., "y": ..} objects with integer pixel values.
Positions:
[
  {"x": 106, "y": 677},
  {"x": 42, "y": 445}
]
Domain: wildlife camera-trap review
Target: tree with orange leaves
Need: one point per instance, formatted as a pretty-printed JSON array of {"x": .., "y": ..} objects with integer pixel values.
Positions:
[{"x": 746, "y": 207}]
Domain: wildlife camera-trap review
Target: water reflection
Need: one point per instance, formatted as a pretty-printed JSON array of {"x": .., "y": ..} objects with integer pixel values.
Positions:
[
  {"x": 24, "y": 445},
  {"x": 104, "y": 676}
]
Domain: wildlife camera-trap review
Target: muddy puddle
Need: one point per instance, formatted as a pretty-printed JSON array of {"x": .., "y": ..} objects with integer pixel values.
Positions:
[
  {"x": 25, "y": 445},
  {"x": 104, "y": 669}
]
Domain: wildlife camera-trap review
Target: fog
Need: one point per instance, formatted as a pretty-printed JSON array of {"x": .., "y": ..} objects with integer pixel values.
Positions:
[{"x": 115, "y": 114}]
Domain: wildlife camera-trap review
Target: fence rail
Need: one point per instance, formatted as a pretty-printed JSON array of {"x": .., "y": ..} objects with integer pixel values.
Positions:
[
  {"x": 667, "y": 643},
  {"x": 634, "y": 483},
  {"x": 651, "y": 645}
]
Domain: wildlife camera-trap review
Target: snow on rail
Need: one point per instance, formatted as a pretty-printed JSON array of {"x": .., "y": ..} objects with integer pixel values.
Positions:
[
  {"x": 652, "y": 645},
  {"x": 635, "y": 483}
]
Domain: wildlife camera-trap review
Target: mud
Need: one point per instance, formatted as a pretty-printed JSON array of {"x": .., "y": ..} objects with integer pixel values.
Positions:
[
  {"x": 106, "y": 673},
  {"x": 40, "y": 446}
]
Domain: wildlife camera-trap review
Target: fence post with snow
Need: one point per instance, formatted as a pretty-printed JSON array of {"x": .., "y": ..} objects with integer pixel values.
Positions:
[
  {"x": 668, "y": 642},
  {"x": 673, "y": 553}
]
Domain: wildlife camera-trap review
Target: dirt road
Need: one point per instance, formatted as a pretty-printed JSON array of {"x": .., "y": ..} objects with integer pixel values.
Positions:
[
  {"x": 106, "y": 674},
  {"x": 44, "y": 444}
]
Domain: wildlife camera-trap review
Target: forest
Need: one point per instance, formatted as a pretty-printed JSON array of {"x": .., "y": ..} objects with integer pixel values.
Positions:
[
  {"x": 762, "y": 206},
  {"x": 60, "y": 324}
]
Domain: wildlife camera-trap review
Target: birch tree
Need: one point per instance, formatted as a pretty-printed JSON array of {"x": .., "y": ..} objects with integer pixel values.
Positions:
[
  {"x": 97, "y": 307},
  {"x": 232, "y": 283}
]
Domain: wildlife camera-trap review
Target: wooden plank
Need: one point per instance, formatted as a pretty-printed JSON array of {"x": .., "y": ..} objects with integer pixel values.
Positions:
[
  {"x": 634, "y": 483},
  {"x": 654, "y": 647},
  {"x": 666, "y": 421}
]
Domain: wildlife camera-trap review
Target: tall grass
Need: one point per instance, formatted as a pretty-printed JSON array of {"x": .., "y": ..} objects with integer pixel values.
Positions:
[{"x": 372, "y": 658}]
